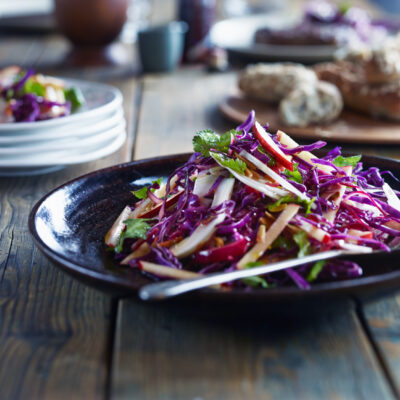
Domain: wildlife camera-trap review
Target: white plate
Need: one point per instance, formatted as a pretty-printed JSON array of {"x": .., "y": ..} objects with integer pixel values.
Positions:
[
  {"x": 100, "y": 99},
  {"x": 237, "y": 35},
  {"x": 44, "y": 149},
  {"x": 66, "y": 158},
  {"x": 70, "y": 131}
]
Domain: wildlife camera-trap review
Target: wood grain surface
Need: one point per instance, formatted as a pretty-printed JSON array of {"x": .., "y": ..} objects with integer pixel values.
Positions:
[{"x": 62, "y": 340}]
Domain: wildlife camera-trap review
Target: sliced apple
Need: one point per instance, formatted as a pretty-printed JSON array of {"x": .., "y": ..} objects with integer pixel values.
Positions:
[
  {"x": 272, "y": 174},
  {"x": 307, "y": 156},
  {"x": 113, "y": 235},
  {"x": 199, "y": 236},
  {"x": 273, "y": 232},
  {"x": 223, "y": 192},
  {"x": 167, "y": 272},
  {"x": 271, "y": 147}
]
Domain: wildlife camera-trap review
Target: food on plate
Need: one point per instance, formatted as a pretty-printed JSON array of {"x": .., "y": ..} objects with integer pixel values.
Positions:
[
  {"x": 272, "y": 82},
  {"x": 324, "y": 23},
  {"x": 377, "y": 100},
  {"x": 27, "y": 97},
  {"x": 304, "y": 100},
  {"x": 246, "y": 198},
  {"x": 311, "y": 104},
  {"x": 377, "y": 65}
]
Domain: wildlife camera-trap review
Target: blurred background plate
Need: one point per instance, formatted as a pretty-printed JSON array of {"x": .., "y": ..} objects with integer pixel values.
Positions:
[
  {"x": 70, "y": 144},
  {"x": 350, "y": 127},
  {"x": 237, "y": 36},
  {"x": 68, "y": 131},
  {"x": 100, "y": 99},
  {"x": 58, "y": 158}
]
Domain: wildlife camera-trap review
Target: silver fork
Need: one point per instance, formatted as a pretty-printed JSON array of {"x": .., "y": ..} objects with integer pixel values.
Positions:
[{"x": 163, "y": 290}]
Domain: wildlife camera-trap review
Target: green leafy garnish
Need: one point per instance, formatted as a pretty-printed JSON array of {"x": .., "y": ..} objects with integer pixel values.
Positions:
[
  {"x": 33, "y": 87},
  {"x": 302, "y": 241},
  {"x": 315, "y": 270},
  {"x": 135, "y": 229},
  {"x": 75, "y": 97},
  {"x": 255, "y": 280},
  {"x": 344, "y": 7},
  {"x": 206, "y": 140},
  {"x": 142, "y": 192},
  {"x": 306, "y": 204},
  {"x": 235, "y": 164},
  {"x": 295, "y": 174},
  {"x": 282, "y": 242},
  {"x": 341, "y": 161}
]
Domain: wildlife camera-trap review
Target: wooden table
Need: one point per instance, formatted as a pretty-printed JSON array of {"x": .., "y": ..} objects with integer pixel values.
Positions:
[{"x": 60, "y": 339}]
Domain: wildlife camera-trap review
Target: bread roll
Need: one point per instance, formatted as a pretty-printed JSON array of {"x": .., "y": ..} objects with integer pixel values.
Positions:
[
  {"x": 311, "y": 104},
  {"x": 273, "y": 82}
]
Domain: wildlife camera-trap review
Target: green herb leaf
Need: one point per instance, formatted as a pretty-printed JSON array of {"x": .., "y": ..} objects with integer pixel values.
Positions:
[
  {"x": 295, "y": 174},
  {"x": 206, "y": 140},
  {"x": 235, "y": 164},
  {"x": 344, "y": 7},
  {"x": 306, "y": 204},
  {"x": 142, "y": 192},
  {"x": 75, "y": 97},
  {"x": 135, "y": 229},
  {"x": 302, "y": 241},
  {"x": 282, "y": 242},
  {"x": 341, "y": 161},
  {"x": 33, "y": 87},
  {"x": 255, "y": 280},
  {"x": 315, "y": 270}
]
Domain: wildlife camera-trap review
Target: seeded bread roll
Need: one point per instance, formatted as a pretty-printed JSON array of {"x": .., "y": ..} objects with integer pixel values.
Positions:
[
  {"x": 311, "y": 104},
  {"x": 273, "y": 82},
  {"x": 377, "y": 100}
]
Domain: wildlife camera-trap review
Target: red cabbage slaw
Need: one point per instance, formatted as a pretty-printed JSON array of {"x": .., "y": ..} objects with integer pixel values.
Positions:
[
  {"x": 247, "y": 198},
  {"x": 28, "y": 97}
]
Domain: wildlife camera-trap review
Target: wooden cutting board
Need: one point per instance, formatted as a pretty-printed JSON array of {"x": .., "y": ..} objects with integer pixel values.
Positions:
[{"x": 351, "y": 127}]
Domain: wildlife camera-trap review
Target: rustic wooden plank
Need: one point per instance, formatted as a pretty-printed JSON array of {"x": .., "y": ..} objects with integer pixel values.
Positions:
[
  {"x": 164, "y": 353},
  {"x": 175, "y": 106},
  {"x": 383, "y": 320}
]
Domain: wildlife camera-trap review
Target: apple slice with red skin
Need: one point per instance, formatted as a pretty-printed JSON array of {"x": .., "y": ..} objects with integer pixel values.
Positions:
[
  {"x": 271, "y": 147},
  {"x": 224, "y": 253}
]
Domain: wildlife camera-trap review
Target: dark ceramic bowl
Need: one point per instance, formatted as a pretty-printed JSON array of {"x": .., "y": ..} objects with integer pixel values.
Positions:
[
  {"x": 69, "y": 224},
  {"x": 91, "y": 22}
]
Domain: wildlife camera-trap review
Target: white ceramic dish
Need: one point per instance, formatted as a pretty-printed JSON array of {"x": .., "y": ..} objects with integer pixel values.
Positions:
[
  {"x": 62, "y": 158},
  {"x": 66, "y": 144},
  {"x": 100, "y": 100},
  {"x": 62, "y": 134},
  {"x": 237, "y": 35}
]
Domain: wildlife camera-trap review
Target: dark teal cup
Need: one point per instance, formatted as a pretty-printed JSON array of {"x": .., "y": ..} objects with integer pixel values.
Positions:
[{"x": 161, "y": 47}]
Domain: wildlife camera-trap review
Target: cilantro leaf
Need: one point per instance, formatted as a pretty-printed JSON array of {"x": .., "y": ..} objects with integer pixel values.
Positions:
[
  {"x": 206, "y": 140},
  {"x": 255, "y": 280},
  {"x": 142, "y": 192},
  {"x": 302, "y": 241},
  {"x": 295, "y": 175},
  {"x": 75, "y": 97},
  {"x": 343, "y": 7},
  {"x": 341, "y": 161},
  {"x": 282, "y": 242},
  {"x": 235, "y": 164},
  {"x": 315, "y": 270},
  {"x": 33, "y": 87},
  {"x": 290, "y": 199},
  {"x": 135, "y": 229}
]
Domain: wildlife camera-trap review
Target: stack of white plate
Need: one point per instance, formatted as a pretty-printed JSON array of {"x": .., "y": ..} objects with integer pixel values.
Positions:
[{"x": 96, "y": 130}]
